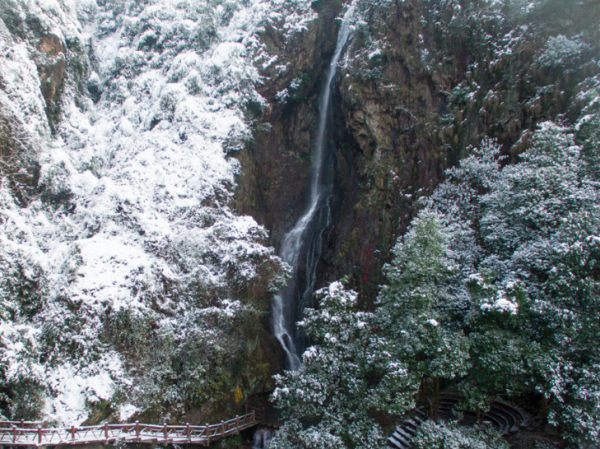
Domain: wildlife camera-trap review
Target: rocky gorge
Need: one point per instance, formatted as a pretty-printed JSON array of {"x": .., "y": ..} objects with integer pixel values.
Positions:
[
  {"x": 409, "y": 103},
  {"x": 155, "y": 154}
]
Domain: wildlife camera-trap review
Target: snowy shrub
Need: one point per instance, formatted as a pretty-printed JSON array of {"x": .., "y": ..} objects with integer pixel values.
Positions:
[
  {"x": 346, "y": 374},
  {"x": 562, "y": 52},
  {"x": 531, "y": 266},
  {"x": 447, "y": 435}
]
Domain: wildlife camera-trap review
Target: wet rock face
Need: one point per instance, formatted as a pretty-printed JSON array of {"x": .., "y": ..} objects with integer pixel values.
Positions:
[
  {"x": 59, "y": 58},
  {"x": 388, "y": 107},
  {"x": 276, "y": 164},
  {"x": 51, "y": 65},
  {"x": 382, "y": 145},
  {"x": 50, "y": 45},
  {"x": 422, "y": 84},
  {"x": 425, "y": 83}
]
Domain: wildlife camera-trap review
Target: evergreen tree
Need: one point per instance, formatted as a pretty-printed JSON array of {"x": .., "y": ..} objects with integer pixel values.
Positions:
[
  {"x": 449, "y": 435},
  {"x": 413, "y": 308},
  {"x": 526, "y": 238},
  {"x": 346, "y": 377},
  {"x": 541, "y": 224}
]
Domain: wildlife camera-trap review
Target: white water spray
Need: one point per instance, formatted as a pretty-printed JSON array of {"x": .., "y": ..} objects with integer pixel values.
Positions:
[{"x": 305, "y": 237}]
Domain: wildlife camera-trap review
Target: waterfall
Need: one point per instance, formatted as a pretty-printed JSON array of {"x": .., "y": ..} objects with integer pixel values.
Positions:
[
  {"x": 262, "y": 438},
  {"x": 301, "y": 247}
]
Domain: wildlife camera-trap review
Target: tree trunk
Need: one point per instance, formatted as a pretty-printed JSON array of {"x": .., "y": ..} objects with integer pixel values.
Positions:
[
  {"x": 436, "y": 398},
  {"x": 544, "y": 409},
  {"x": 424, "y": 388}
]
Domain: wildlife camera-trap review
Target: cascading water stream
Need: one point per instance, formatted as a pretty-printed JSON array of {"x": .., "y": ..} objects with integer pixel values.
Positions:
[{"x": 305, "y": 238}]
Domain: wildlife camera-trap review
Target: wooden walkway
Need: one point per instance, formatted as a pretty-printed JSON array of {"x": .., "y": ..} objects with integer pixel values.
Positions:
[{"x": 22, "y": 433}]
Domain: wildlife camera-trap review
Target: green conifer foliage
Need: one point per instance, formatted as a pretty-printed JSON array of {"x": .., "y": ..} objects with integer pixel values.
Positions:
[
  {"x": 413, "y": 312},
  {"x": 347, "y": 376}
]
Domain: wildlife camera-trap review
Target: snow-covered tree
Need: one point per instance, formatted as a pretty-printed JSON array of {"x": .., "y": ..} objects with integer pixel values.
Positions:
[
  {"x": 413, "y": 308},
  {"x": 527, "y": 246},
  {"x": 127, "y": 281},
  {"x": 347, "y": 375},
  {"x": 540, "y": 224}
]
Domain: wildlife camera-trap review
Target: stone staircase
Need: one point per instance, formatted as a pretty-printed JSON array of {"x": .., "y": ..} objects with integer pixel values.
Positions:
[
  {"x": 505, "y": 417},
  {"x": 403, "y": 433}
]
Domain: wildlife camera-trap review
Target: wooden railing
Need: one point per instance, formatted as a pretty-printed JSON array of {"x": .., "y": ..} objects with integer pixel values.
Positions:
[
  {"x": 27, "y": 433},
  {"x": 21, "y": 424}
]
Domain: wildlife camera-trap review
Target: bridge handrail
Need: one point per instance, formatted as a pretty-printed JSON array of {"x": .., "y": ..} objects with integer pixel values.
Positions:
[
  {"x": 21, "y": 423},
  {"x": 23, "y": 435}
]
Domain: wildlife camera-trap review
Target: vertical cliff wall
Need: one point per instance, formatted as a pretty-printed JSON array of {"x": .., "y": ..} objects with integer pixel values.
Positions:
[
  {"x": 382, "y": 135},
  {"x": 423, "y": 82}
]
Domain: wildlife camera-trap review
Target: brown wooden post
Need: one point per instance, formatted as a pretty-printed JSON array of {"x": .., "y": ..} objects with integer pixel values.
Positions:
[
  {"x": 206, "y": 431},
  {"x": 166, "y": 431},
  {"x": 40, "y": 435},
  {"x": 73, "y": 432},
  {"x": 137, "y": 430},
  {"x": 237, "y": 423},
  {"x": 253, "y": 416},
  {"x": 22, "y": 424},
  {"x": 14, "y": 434},
  {"x": 106, "y": 431},
  {"x": 188, "y": 431},
  {"x": 222, "y": 428}
]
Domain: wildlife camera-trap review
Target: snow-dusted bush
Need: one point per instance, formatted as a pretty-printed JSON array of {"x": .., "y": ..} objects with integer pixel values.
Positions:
[
  {"x": 346, "y": 375},
  {"x": 531, "y": 266},
  {"x": 493, "y": 289},
  {"x": 562, "y": 52},
  {"x": 447, "y": 435}
]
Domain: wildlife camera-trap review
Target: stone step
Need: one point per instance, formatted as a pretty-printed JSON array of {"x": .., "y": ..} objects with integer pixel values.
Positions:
[
  {"x": 505, "y": 417},
  {"x": 402, "y": 439},
  {"x": 407, "y": 436},
  {"x": 525, "y": 419},
  {"x": 511, "y": 420},
  {"x": 412, "y": 423},
  {"x": 503, "y": 424},
  {"x": 497, "y": 424},
  {"x": 516, "y": 417},
  {"x": 396, "y": 443},
  {"x": 421, "y": 413}
]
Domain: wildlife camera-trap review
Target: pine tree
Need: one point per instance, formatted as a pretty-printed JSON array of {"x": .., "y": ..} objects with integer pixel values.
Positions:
[
  {"x": 541, "y": 224},
  {"x": 526, "y": 240},
  {"x": 449, "y": 435},
  {"x": 413, "y": 309}
]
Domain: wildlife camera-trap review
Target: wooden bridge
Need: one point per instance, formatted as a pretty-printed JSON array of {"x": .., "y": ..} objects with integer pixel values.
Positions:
[{"x": 24, "y": 433}]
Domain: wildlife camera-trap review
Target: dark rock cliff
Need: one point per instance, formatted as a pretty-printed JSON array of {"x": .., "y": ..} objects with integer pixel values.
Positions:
[
  {"x": 423, "y": 83},
  {"x": 383, "y": 115},
  {"x": 276, "y": 163}
]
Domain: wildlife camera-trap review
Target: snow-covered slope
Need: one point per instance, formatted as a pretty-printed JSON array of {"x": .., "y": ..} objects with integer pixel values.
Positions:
[{"x": 125, "y": 277}]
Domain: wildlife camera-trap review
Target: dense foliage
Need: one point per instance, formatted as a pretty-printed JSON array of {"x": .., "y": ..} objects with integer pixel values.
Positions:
[
  {"x": 495, "y": 286},
  {"x": 493, "y": 290},
  {"x": 127, "y": 282},
  {"x": 345, "y": 377},
  {"x": 128, "y": 285},
  {"x": 448, "y": 435}
]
